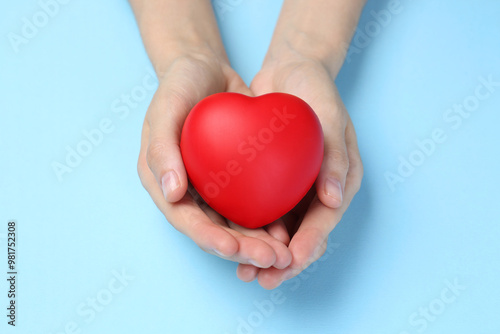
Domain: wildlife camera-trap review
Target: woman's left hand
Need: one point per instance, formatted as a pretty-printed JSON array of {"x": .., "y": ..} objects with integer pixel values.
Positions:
[{"x": 307, "y": 226}]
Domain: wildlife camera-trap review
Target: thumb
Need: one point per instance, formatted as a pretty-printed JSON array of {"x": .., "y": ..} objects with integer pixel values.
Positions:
[
  {"x": 166, "y": 115},
  {"x": 332, "y": 176},
  {"x": 330, "y": 184}
]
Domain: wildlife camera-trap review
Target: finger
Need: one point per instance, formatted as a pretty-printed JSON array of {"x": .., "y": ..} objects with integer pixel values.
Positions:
[
  {"x": 165, "y": 118},
  {"x": 307, "y": 245},
  {"x": 330, "y": 185},
  {"x": 271, "y": 278},
  {"x": 252, "y": 249},
  {"x": 247, "y": 272},
  {"x": 185, "y": 215},
  {"x": 355, "y": 173},
  {"x": 282, "y": 256},
  {"x": 278, "y": 230},
  {"x": 184, "y": 85},
  {"x": 310, "y": 240}
]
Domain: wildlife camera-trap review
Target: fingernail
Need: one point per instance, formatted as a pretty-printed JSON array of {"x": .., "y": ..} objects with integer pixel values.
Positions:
[
  {"x": 333, "y": 189},
  {"x": 288, "y": 275},
  {"x": 216, "y": 251},
  {"x": 169, "y": 183},
  {"x": 254, "y": 263}
]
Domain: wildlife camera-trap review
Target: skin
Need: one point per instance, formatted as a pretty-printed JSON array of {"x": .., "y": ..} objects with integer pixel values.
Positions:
[{"x": 305, "y": 55}]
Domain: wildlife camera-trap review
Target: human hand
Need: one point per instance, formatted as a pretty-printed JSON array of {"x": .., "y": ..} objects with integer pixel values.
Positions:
[
  {"x": 310, "y": 222},
  {"x": 191, "y": 64},
  {"x": 189, "y": 79}
]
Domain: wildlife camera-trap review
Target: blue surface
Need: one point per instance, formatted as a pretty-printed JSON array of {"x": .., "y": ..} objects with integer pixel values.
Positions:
[{"x": 392, "y": 259}]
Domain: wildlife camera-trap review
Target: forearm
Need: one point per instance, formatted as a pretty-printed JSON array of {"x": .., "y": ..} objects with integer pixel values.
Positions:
[
  {"x": 319, "y": 29},
  {"x": 172, "y": 28}
]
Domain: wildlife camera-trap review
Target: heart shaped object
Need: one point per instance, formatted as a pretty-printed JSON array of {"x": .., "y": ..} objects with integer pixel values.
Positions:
[{"x": 252, "y": 159}]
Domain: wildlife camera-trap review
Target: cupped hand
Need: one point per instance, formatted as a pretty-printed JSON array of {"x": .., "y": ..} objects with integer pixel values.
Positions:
[
  {"x": 186, "y": 80},
  {"x": 309, "y": 224}
]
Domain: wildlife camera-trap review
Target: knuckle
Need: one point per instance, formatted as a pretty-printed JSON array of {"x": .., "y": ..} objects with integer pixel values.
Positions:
[
  {"x": 180, "y": 100},
  {"x": 357, "y": 166},
  {"x": 355, "y": 182},
  {"x": 141, "y": 170},
  {"x": 338, "y": 159},
  {"x": 358, "y": 185},
  {"x": 320, "y": 251},
  {"x": 361, "y": 172},
  {"x": 357, "y": 171},
  {"x": 155, "y": 152}
]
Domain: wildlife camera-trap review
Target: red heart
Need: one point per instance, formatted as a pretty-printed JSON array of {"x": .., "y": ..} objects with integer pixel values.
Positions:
[{"x": 252, "y": 159}]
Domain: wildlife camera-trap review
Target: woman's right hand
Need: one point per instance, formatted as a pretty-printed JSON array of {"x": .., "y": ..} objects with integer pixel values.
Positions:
[
  {"x": 188, "y": 78},
  {"x": 183, "y": 42}
]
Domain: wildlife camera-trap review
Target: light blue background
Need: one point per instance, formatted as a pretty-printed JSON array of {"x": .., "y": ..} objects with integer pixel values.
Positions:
[{"x": 393, "y": 252}]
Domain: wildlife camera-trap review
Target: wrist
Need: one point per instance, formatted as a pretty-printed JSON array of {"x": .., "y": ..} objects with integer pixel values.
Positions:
[
  {"x": 171, "y": 29},
  {"x": 296, "y": 45},
  {"x": 318, "y": 30},
  {"x": 171, "y": 51}
]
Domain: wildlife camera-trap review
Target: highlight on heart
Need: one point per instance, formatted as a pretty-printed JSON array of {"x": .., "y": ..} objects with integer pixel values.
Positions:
[{"x": 249, "y": 149}]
